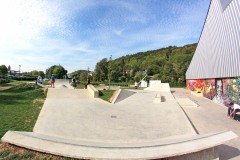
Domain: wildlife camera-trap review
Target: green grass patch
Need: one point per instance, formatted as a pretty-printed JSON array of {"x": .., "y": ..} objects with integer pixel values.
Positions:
[
  {"x": 45, "y": 83},
  {"x": 4, "y": 153},
  {"x": 80, "y": 86},
  {"x": 106, "y": 94},
  {"x": 20, "y": 107}
]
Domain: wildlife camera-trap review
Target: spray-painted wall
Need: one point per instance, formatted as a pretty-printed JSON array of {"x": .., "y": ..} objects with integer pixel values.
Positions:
[
  {"x": 209, "y": 88},
  {"x": 221, "y": 91}
]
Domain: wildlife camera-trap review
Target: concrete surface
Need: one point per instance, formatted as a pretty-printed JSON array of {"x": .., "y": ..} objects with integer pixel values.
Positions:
[
  {"x": 211, "y": 117},
  {"x": 74, "y": 114},
  {"x": 70, "y": 119},
  {"x": 186, "y": 102}
]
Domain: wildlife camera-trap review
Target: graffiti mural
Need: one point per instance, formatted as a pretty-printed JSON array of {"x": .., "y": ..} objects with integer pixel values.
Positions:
[
  {"x": 225, "y": 98},
  {"x": 219, "y": 90},
  {"x": 232, "y": 90},
  {"x": 189, "y": 85},
  {"x": 209, "y": 91},
  {"x": 195, "y": 85},
  {"x": 222, "y": 91}
]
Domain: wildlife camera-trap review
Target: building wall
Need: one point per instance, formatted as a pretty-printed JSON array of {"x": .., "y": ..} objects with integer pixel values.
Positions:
[
  {"x": 222, "y": 90},
  {"x": 218, "y": 51}
]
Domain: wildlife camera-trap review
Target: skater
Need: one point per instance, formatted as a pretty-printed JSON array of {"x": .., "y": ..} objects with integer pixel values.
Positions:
[{"x": 52, "y": 81}]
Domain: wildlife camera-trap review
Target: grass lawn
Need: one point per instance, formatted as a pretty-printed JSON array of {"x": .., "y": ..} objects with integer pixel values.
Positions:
[
  {"x": 19, "y": 107},
  {"x": 45, "y": 83},
  {"x": 106, "y": 94},
  {"x": 12, "y": 83},
  {"x": 80, "y": 86}
]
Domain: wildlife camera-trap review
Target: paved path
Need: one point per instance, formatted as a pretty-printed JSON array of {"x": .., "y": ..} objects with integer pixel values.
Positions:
[{"x": 211, "y": 117}]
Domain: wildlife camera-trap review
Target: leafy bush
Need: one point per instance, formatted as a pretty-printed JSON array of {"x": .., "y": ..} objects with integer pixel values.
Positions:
[
  {"x": 2, "y": 81},
  {"x": 24, "y": 78}
]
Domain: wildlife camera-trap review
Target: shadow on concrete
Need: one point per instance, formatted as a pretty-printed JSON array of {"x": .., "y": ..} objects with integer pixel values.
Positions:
[
  {"x": 123, "y": 95},
  {"x": 163, "y": 99},
  {"x": 227, "y": 152},
  {"x": 173, "y": 91}
]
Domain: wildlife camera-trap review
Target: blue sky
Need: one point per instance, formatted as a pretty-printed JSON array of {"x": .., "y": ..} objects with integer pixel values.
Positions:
[{"x": 78, "y": 33}]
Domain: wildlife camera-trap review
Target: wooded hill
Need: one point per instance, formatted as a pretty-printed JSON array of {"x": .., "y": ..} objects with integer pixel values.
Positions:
[{"x": 166, "y": 64}]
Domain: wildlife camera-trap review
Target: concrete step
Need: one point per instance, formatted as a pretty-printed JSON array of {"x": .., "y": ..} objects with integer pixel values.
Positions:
[{"x": 99, "y": 150}]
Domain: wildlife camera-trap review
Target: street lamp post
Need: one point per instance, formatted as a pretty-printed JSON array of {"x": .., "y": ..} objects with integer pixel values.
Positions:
[
  {"x": 19, "y": 70},
  {"x": 88, "y": 81},
  {"x": 109, "y": 71}
]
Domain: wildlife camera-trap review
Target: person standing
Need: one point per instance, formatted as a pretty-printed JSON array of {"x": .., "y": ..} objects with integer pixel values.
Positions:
[
  {"x": 74, "y": 81},
  {"x": 52, "y": 81}
]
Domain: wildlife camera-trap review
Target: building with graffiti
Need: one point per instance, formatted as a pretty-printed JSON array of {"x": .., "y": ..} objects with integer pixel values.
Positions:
[{"x": 215, "y": 67}]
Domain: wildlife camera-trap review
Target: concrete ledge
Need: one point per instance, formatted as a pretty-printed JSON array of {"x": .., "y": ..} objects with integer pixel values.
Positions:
[
  {"x": 158, "y": 98},
  {"x": 168, "y": 148},
  {"x": 93, "y": 91},
  {"x": 115, "y": 95}
]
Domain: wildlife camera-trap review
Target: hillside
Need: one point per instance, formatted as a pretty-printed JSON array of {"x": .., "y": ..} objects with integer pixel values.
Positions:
[{"x": 167, "y": 64}]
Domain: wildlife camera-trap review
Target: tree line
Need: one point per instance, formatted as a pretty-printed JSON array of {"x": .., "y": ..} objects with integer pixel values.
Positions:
[{"x": 166, "y": 64}]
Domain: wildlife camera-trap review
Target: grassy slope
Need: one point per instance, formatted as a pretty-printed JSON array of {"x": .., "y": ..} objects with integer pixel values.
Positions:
[{"x": 106, "y": 94}]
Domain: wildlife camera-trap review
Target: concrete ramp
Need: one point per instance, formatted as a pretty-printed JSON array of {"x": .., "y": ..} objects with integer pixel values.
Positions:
[
  {"x": 160, "y": 87},
  {"x": 121, "y": 95},
  {"x": 63, "y": 83}
]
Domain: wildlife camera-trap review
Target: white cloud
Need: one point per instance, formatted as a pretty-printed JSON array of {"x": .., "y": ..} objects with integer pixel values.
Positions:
[{"x": 77, "y": 34}]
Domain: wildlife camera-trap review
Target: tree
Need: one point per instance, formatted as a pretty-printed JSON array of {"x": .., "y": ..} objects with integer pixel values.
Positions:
[
  {"x": 57, "y": 70},
  {"x": 41, "y": 73},
  {"x": 9, "y": 68},
  {"x": 34, "y": 73},
  {"x": 83, "y": 76},
  {"x": 101, "y": 70},
  {"x": 3, "y": 70}
]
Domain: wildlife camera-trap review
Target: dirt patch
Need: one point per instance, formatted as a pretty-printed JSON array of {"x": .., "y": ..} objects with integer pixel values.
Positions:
[
  {"x": 8, "y": 151},
  {"x": 5, "y": 88},
  {"x": 38, "y": 100}
]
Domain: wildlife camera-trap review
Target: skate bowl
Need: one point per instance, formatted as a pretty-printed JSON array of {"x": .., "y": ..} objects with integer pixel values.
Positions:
[
  {"x": 161, "y": 87},
  {"x": 74, "y": 124},
  {"x": 63, "y": 83},
  {"x": 59, "y": 83}
]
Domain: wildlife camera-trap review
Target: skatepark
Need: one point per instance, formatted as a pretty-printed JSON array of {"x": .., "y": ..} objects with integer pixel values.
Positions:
[{"x": 139, "y": 124}]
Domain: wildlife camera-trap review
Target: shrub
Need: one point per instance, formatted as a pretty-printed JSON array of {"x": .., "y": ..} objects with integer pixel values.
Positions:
[{"x": 2, "y": 81}]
